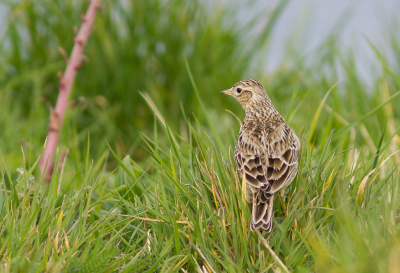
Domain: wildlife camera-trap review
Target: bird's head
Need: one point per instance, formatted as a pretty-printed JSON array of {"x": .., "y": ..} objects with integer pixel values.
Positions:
[{"x": 247, "y": 93}]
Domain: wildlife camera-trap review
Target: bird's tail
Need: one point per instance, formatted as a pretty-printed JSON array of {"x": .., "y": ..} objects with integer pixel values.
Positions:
[{"x": 262, "y": 212}]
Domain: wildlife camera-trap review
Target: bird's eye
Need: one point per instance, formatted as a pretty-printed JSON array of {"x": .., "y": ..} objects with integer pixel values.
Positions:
[{"x": 239, "y": 90}]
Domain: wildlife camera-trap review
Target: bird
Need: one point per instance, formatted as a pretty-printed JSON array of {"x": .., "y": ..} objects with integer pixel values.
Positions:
[{"x": 266, "y": 152}]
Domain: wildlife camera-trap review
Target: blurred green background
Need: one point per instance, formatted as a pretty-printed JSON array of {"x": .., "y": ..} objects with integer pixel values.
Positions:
[
  {"x": 135, "y": 46},
  {"x": 142, "y": 46}
]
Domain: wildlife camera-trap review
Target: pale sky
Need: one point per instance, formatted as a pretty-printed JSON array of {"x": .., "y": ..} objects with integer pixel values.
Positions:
[{"x": 308, "y": 22}]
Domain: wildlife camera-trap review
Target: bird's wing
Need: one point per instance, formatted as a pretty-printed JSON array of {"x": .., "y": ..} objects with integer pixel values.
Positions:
[
  {"x": 251, "y": 159},
  {"x": 282, "y": 152},
  {"x": 269, "y": 158}
]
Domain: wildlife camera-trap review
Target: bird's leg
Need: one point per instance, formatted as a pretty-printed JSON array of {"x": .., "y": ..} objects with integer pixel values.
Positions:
[{"x": 285, "y": 209}]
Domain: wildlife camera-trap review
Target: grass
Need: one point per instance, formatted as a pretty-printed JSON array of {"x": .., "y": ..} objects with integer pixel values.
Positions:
[
  {"x": 186, "y": 211},
  {"x": 164, "y": 195}
]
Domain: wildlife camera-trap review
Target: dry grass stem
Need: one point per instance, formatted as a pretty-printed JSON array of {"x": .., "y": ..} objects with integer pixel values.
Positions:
[{"x": 271, "y": 251}]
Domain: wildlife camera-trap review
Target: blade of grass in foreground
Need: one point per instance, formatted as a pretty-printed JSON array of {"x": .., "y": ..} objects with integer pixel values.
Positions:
[
  {"x": 120, "y": 163},
  {"x": 318, "y": 113},
  {"x": 347, "y": 128},
  {"x": 216, "y": 135},
  {"x": 379, "y": 146}
]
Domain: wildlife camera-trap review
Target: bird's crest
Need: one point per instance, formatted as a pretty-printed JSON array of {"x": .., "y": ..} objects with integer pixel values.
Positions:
[{"x": 249, "y": 82}]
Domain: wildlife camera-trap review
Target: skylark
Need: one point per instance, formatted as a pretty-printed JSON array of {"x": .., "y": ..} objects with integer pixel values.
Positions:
[{"x": 266, "y": 151}]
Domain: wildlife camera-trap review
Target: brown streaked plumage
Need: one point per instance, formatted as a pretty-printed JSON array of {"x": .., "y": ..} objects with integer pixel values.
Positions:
[{"x": 266, "y": 151}]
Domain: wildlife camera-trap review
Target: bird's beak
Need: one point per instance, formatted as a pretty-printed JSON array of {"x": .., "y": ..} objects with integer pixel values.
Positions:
[{"x": 227, "y": 92}]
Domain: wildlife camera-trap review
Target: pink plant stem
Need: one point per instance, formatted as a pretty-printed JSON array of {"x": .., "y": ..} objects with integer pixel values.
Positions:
[{"x": 67, "y": 80}]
